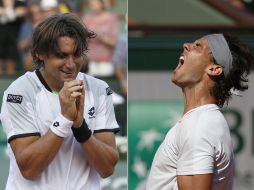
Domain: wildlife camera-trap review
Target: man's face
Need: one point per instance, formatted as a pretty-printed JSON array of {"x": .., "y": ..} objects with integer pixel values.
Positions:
[
  {"x": 192, "y": 64},
  {"x": 64, "y": 66}
]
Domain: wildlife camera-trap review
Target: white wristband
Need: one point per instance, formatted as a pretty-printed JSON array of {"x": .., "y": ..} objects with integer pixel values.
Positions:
[{"x": 61, "y": 126}]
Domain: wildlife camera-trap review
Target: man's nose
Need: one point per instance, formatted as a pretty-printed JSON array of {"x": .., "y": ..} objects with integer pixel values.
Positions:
[
  {"x": 186, "y": 46},
  {"x": 70, "y": 62}
]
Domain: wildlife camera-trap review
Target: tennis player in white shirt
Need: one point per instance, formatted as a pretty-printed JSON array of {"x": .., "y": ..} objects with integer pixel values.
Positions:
[{"x": 197, "y": 152}]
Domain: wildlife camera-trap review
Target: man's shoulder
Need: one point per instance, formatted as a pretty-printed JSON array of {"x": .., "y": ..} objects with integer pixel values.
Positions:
[
  {"x": 23, "y": 84},
  {"x": 210, "y": 123},
  {"x": 93, "y": 79},
  {"x": 205, "y": 114},
  {"x": 92, "y": 83},
  {"x": 205, "y": 120}
]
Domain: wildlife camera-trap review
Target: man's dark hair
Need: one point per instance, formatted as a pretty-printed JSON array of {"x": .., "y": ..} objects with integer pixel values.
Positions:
[
  {"x": 237, "y": 77},
  {"x": 47, "y": 33}
]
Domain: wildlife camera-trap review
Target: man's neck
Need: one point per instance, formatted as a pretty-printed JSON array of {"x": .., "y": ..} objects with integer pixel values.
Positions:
[
  {"x": 196, "y": 96},
  {"x": 52, "y": 84}
]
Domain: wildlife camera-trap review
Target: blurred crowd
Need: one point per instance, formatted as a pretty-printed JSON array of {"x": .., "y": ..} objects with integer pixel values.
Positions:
[{"x": 107, "y": 55}]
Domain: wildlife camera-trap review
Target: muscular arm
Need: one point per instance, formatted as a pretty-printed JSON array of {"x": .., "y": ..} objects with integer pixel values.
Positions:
[
  {"x": 195, "y": 182},
  {"x": 34, "y": 154},
  {"x": 101, "y": 152}
]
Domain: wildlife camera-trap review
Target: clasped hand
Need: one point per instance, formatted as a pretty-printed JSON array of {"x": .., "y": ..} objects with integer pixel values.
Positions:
[{"x": 71, "y": 98}]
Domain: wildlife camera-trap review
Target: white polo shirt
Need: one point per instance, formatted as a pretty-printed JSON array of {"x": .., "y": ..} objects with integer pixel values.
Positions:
[
  {"x": 199, "y": 143},
  {"x": 29, "y": 108}
]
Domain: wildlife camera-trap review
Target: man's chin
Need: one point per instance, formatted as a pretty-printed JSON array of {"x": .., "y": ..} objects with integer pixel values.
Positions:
[{"x": 175, "y": 81}]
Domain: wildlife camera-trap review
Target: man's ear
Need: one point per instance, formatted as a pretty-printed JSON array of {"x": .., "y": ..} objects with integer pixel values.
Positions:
[{"x": 214, "y": 70}]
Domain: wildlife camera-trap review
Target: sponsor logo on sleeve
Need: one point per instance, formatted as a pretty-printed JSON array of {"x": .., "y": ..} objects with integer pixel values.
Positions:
[
  {"x": 56, "y": 124},
  {"x": 14, "y": 98},
  {"x": 91, "y": 113},
  {"x": 109, "y": 91}
]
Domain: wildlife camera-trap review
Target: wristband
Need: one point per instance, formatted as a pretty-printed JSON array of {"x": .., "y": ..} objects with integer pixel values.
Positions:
[
  {"x": 61, "y": 126},
  {"x": 83, "y": 133}
]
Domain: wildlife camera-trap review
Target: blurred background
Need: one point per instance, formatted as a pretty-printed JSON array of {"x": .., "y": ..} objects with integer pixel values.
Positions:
[
  {"x": 106, "y": 59},
  {"x": 157, "y": 31}
]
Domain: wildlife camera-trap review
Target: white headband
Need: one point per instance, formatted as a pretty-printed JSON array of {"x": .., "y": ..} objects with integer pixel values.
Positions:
[{"x": 220, "y": 51}]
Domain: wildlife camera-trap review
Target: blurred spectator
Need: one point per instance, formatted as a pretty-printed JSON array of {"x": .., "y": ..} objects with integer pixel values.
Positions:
[
  {"x": 49, "y": 7},
  {"x": 82, "y": 4},
  {"x": 109, "y": 3},
  {"x": 66, "y": 6},
  {"x": 106, "y": 27},
  {"x": 12, "y": 13},
  {"x": 120, "y": 60},
  {"x": 34, "y": 17}
]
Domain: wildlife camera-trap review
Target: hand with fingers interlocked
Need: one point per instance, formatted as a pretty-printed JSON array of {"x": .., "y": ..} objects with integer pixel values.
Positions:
[{"x": 71, "y": 98}]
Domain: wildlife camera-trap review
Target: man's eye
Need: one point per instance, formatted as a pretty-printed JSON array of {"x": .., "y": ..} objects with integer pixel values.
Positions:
[{"x": 61, "y": 55}]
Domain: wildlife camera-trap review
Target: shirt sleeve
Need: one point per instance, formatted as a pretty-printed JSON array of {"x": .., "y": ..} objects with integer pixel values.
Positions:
[
  {"x": 18, "y": 117},
  {"x": 196, "y": 152},
  {"x": 105, "y": 119}
]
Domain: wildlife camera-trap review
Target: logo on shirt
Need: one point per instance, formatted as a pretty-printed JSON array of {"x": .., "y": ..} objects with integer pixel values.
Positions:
[
  {"x": 17, "y": 99},
  {"x": 109, "y": 91},
  {"x": 56, "y": 124},
  {"x": 91, "y": 113}
]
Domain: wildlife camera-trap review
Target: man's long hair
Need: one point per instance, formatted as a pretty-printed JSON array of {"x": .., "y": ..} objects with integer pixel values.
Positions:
[{"x": 238, "y": 76}]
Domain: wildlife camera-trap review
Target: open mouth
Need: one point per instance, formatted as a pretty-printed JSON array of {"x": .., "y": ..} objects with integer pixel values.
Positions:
[{"x": 181, "y": 60}]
